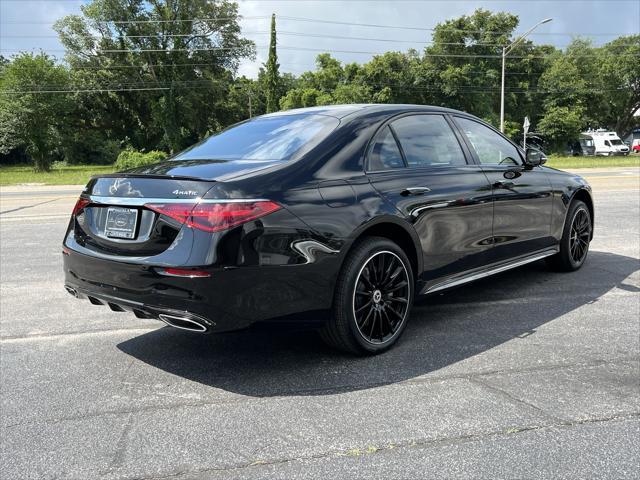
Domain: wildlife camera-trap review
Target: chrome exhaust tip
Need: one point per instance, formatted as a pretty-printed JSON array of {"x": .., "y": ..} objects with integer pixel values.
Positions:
[
  {"x": 184, "y": 323},
  {"x": 71, "y": 291}
]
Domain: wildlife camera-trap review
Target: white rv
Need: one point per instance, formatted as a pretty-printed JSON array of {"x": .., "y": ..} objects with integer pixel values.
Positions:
[{"x": 606, "y": 143}]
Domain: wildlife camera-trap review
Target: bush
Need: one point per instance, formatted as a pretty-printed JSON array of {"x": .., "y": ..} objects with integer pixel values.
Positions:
[
  {"x": 85, "y": 146},
  {"x": 130, "y": 158},
  {"x": 58, "y": 164}
]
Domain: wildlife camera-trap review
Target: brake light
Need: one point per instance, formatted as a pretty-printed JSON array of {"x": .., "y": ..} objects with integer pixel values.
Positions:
[
  {"x": 214, "y": 217},
  {"x": 80, "y": 204}
]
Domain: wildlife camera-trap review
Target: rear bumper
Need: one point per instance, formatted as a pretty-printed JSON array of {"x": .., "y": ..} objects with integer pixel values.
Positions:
[
  {"x": 176, "y": 318},
  {"x": 230, "y": 299}
]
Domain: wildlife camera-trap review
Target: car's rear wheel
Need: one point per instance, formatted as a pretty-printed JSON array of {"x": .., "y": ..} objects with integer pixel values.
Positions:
[
  {"x": 576, "y": 237},
  {"x": 372, "y": 299}
]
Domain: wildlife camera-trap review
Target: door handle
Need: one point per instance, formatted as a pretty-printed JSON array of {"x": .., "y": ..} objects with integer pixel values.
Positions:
[
  {"x": 414, "y": 191},
  {"x": 503, "y": 184}
]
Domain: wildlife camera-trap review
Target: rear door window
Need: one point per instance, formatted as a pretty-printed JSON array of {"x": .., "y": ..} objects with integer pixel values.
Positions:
[
  {"x": 428, "y": 141},
  {"x": 384, "y": 153}
]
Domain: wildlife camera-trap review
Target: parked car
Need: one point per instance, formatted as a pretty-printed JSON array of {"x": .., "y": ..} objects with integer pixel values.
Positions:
[
  {"x": 338, "y": 215},
  {"x": 635, "y": 146},
  {"x": 584, "y": 146},
  {"x": 535, "y": 141}
]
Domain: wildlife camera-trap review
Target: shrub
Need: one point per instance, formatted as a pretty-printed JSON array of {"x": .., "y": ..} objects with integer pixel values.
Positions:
[
  {"x": 130, "y": 158},
  {"x": 89, "y": 147},
  {"x": 58, "y": 164}
]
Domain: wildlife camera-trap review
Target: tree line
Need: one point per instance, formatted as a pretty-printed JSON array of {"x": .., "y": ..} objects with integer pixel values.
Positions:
[{"x": 161, "y": 75}]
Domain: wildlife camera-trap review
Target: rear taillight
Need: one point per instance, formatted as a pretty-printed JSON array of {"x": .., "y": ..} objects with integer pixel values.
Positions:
[
  {"x": 80, "y": 204},
  {"x": 214, "y": 217}
]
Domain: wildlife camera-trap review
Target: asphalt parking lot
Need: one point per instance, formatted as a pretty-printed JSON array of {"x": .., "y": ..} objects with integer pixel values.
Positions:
[{"x": 525, "y": 374}]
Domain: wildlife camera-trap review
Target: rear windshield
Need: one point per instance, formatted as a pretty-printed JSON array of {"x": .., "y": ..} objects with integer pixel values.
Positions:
[{"x": 264, "y": 138}]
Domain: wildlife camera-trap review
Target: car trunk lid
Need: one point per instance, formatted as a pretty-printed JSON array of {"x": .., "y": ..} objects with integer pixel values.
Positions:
[
  {"x": 138, "y": 212},
  {"x": 113, "y": 215}
]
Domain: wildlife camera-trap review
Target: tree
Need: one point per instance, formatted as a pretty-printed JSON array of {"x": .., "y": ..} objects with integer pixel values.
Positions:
[
  {"x": 331, "y": 83},
  {"x": 391, "y": 77},
  {"x": 162, "y": 74},
  {"x": 586, "y": 86},
  {"x": 272, "y": 74},
  {"x": 31, "y": 114},
  {"x": 619, "y": 79},
  {"x": 462, "y": 69},
  {"x": 172, "y": 63},
  {"x": 561, "y": 124}
]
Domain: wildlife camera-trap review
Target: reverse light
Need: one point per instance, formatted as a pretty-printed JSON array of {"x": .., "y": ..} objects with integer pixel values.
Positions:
[
  {"x": 215, "y": 217},
  {"x": 80, "y": 204}
]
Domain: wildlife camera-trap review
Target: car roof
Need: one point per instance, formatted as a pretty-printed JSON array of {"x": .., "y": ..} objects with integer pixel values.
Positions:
[{"x": 341, "y": 111}]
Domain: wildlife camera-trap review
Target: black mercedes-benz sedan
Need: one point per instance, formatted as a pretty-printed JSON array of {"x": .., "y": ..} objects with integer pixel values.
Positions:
[{"x": 339, "y": 215}]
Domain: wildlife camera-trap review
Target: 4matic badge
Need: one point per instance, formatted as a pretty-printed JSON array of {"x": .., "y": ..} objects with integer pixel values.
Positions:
[{"x": 186, "y": 192}]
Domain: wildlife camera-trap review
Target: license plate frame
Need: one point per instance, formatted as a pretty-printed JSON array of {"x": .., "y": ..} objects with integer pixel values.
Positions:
[{"x": 121, "y": 223}]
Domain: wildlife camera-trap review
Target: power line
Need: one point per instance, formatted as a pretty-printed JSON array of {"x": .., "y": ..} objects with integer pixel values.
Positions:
[
  {"x": 427, "y": 29},
  {"x": 322, "y": 21},
  {"x": 156, "y": 35},
  {"x": 284, "y": 66},
  {"x": 106, "y": 90},
  {"x": 324, "y": 50},
  {"x": 388, "y": 40},
  {"x": 416, "y": 1},
  {"x": 176, "y": 20},
  {"x": 168, "y": 84},
  {"x": 301, "y": 34}
]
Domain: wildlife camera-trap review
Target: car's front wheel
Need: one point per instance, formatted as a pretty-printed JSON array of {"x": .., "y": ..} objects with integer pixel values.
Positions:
[
  {"x": 373, "y": 298},
  {"x": 576, "y": 237}
]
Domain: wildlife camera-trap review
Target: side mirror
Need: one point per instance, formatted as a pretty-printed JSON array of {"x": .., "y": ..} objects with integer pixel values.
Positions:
[{"x": 534, "y": 157}]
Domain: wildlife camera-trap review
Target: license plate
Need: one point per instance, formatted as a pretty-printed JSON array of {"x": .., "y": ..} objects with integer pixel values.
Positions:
[{"x": 121, "y": 222}]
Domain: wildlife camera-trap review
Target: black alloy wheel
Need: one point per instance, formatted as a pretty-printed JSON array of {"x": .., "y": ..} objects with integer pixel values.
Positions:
[
  {"x": 372, "y": 299},
  {"x": 381, "y": 297},
  {"x": 576, "y": 237},
  {"x": 580, "y": 235}
]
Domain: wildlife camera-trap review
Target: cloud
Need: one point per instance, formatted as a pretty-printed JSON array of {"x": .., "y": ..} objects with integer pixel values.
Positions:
[{"x": 28, "y": 25}]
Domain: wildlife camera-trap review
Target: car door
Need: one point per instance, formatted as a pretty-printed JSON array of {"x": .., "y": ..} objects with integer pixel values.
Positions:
[
  {"x": 522, "y": 195},
  {"x": 419, "y": 164}
]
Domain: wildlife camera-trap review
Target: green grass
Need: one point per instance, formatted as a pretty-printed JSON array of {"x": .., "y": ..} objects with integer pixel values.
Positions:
[
  {"x": 72, "y": 175},
  {"x": 593, "y": 162},
  {"x": 79, "y": 174}
]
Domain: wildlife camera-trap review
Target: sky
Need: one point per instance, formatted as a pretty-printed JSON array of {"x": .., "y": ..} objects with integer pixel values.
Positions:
[{"x": 26, "y": 25}]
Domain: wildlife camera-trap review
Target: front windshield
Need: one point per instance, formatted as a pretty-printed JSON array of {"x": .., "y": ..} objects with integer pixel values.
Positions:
[
  {"x": 616, "y": 142},
  {"x": 264, "y": 138}
]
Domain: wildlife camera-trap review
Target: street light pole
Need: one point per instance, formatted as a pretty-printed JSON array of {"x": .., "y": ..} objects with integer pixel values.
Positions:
[{"x": 505, "y": 51}]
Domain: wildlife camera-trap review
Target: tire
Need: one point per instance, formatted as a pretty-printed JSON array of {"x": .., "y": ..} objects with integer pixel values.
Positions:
[
  {"x": 576, "y": 236},
  {"x": 372, "y": 300}
]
